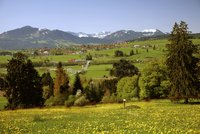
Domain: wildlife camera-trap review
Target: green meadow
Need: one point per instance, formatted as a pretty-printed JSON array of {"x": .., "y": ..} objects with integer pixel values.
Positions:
[{"x": 159, "y": 117}]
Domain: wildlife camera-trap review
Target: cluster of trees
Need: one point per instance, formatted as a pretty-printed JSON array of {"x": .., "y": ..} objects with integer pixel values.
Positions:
[
  {"x": 152, "y": 83},
  {"x": 119, "y": 53},
  {"x": 24, "y": 88},
  {"x": 88, "y": 57},
  {"x": 6, "y": 53},
  {"x": 176, "y": 77},
  {"x": 123, "y": 68}
]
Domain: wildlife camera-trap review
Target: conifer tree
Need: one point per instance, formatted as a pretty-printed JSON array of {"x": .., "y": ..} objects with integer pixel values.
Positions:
[
  {"x": 182, "y": 65},
  {"x": 77, "y": 84},
  {"x": 24, "y": 88}
]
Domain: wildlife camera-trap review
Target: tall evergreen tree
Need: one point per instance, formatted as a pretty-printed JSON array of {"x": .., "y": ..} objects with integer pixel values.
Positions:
[
  {"x": 24, "y": 88},
  {"x": 77, "y": 84},
  {"x": 182, "y": 65},
  {"x": 61, "y": 83}
]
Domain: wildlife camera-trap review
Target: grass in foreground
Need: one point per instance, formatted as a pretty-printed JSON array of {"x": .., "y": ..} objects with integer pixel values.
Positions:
[{"x": 151, "y": 117}]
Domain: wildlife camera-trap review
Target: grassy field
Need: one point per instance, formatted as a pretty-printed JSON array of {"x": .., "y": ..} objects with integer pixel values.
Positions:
[
  {"x": 139, "y": 117},
  {"x": 96, "y": 71}
]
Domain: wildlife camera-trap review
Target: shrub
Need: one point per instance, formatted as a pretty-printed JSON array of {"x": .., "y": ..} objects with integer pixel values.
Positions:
[
  {"x": 70, "y": 101},
  {"x": 78, "y": 93},
  {"x": 82, "y": 101},
  {"x": 119, "y": 53},
  {"x": 106, "y": 99},
  {"x": 59, "y": 100},
  {"x": 49, "y": 102},
  {"x": 111, "y": 99}
]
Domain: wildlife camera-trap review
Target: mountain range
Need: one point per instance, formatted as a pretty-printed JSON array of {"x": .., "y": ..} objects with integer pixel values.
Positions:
[{"x": 30, "y": 37}]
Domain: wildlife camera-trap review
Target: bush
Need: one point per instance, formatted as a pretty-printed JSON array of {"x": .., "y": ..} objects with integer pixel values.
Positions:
[
  {"x": 82, "y": 101},
  {"x": 119, "y": 53},
  {"x": 78, "y": 93},
  {"x": 111, "y": 99},
  {"x": 108, "y": 99},
  {"x": 59, "y": 100},
  {"x": 70, "y": 101},
  {"x": 49, "y": 102}
]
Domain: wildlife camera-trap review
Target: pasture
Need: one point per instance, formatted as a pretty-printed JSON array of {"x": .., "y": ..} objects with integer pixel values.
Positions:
[
  {"x": 102, "y": 59},
  {"x": 160, "y": 116}
]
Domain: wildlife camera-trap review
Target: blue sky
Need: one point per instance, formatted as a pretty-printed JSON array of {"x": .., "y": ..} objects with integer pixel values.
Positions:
[{"x": 91, "y": 16}]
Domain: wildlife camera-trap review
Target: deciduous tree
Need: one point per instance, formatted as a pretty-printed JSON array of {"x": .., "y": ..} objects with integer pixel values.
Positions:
[
  {"x": 61, "y": 82},
  {"x": 123, "y": 68},
  {"x": 154, "y": 81},
  {"x": 127, "y": 88}
]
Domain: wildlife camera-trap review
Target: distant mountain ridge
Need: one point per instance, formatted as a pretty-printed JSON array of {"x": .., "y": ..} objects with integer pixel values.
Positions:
[
  {"x": 124, "y": 35},
  {"x": 30, "y": 37}
]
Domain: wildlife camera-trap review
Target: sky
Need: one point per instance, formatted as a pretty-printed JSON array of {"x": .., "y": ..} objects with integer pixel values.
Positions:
[{"x": 92, "y": 16}]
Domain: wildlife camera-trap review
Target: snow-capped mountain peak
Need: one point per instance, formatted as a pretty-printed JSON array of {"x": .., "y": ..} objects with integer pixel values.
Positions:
[
  {"x": 122, "y": 34},
  {"x": 101, "y": 34},
  {"x": 80, "y": 34},
  {"x": 44, "y": 31},
  {"x": 149, "y": 30},
  {"x": 96, "y": 35}
]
